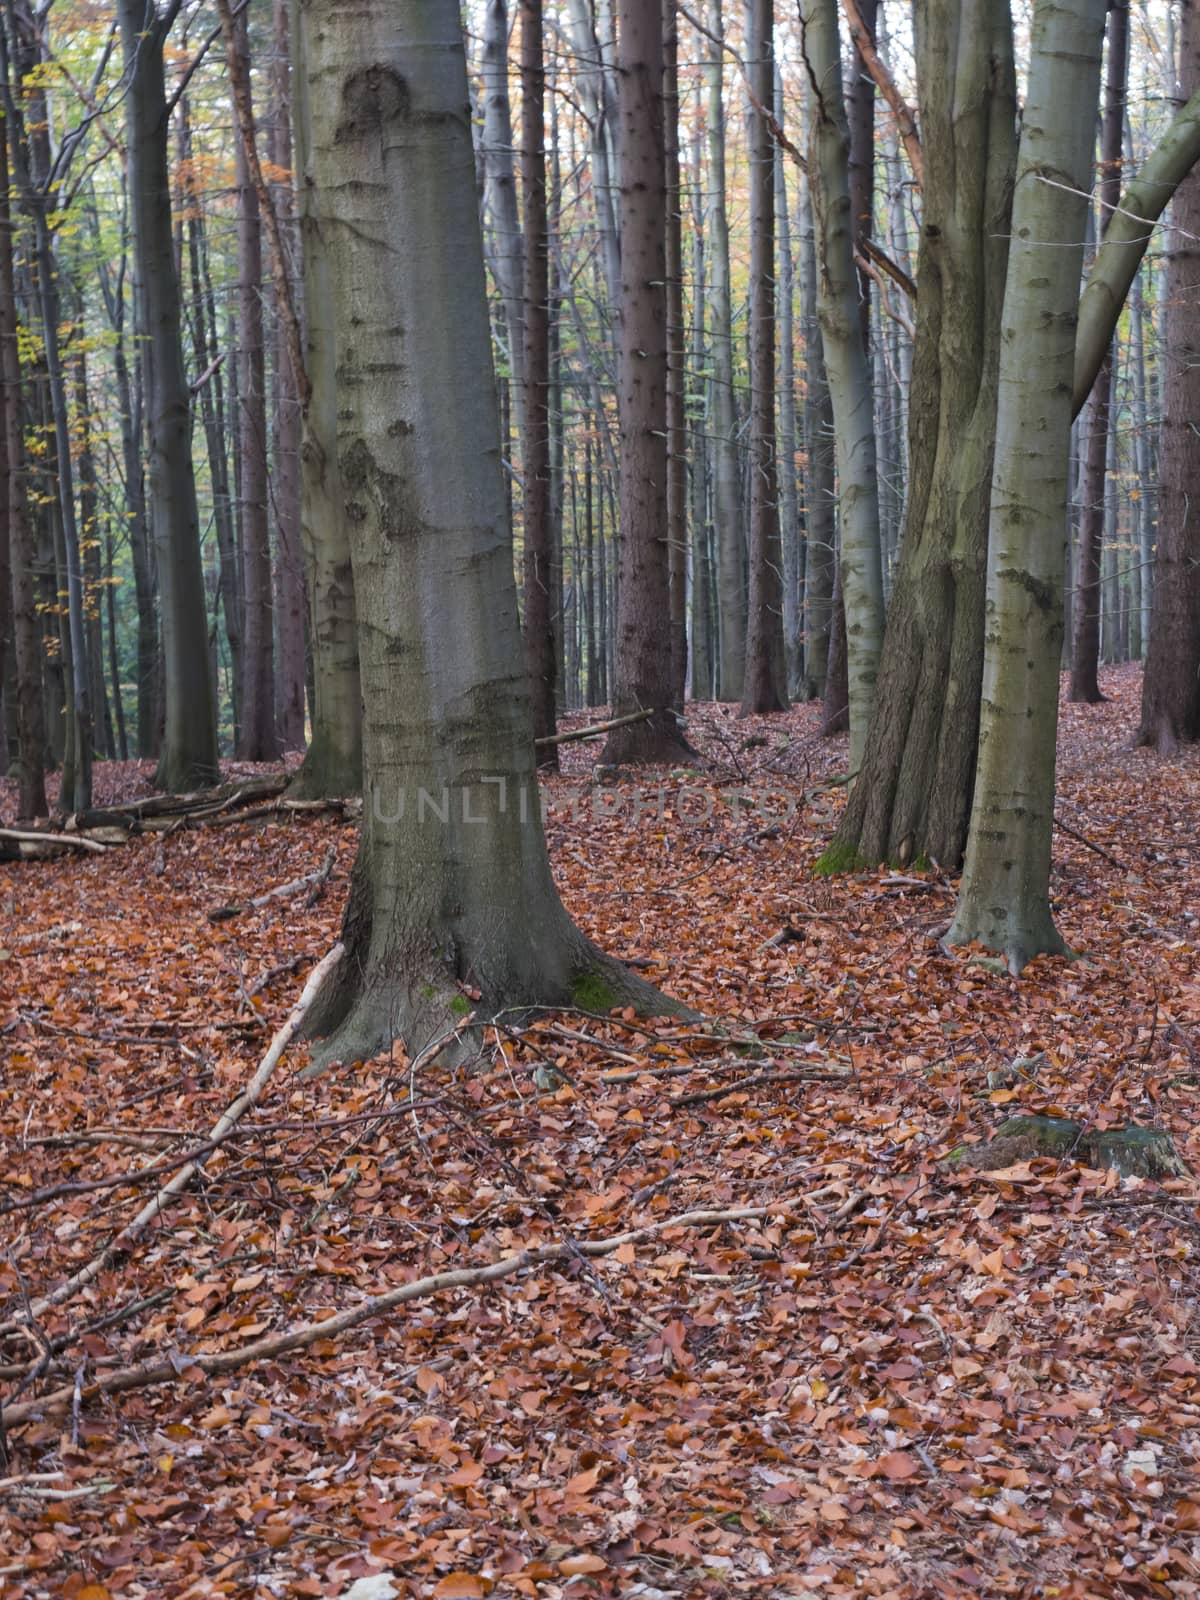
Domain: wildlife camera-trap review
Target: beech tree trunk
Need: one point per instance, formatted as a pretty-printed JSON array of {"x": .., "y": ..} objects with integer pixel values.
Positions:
[
  {"x": 541, "y": 592},
  {"x": 333, "y": 762},
  {"x": 677, "y": 478},
  {"x": 643, "y": 666},
  {"x": 1086, "y": 604},
  {"x": 500, "y": 181},
  {"x": 789, "y": 505},
  {"x": 1171, "y": 687},
  {"x": 452, "y": 906},
  {"x": 188, "y": 758},
  {"x": 726, "y": 489},
  {"x": 845, "y": 365},
  {"x": 820, "y": 538},
  {"x": 1004, "y": 899},
  {"x": 913, "y": 794},
  {"x": 764, "y": 685},
  {"x": 27, "y": 685}
]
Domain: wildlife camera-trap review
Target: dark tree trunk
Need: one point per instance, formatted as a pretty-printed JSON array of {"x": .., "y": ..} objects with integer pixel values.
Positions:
[
  {"x": 643, "y": 663},
  {"x": 541, "y": 598},
  {"x": 1171, "y": 689},
  {"x": 1087, "y": 600},
  {"x": 676, "y": 376}
]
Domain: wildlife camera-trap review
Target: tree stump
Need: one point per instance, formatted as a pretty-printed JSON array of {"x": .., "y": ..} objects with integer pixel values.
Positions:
[{"x": 1133, "y": 1151}]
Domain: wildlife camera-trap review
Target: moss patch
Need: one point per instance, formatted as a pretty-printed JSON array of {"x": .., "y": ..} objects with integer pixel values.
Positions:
[
  {"x": 839, "y": 858},
  {"x": 460, "y": 1006},
  {"x": 590, "y": 993}
]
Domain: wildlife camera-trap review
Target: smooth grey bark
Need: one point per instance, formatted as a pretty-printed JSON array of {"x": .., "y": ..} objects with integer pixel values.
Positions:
[
  {"x": 333, "y": 762},
  {"x": 764, "y": 683},
  {"x": 728, "y": 532},
  {"x": 846, "y": 366},
  {"x": 1146, "y": 489},
  {"x": 703, "y": 615},
  {"x": 597, "y": 87},
  {"x": 188, "y": 757},
  {"x": 643, "y": 678},
  {"x": 1004, "y": 899},
  {"x": 452, "y": 905},
  {"x": 677, "y": 480}
]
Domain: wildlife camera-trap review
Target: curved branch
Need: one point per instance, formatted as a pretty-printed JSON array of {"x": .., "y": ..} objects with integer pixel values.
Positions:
[{"x": 906, "y": 120}]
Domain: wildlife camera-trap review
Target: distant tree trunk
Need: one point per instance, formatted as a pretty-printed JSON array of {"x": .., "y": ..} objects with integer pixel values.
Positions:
[
  {"x": 257, "y": 737},
  {"x": 860, "y": 119},
  {"x": 820, "y": 550},
  {"x": 1004, "y": 897},
  {"x": 501, "y": 190},
  {"x": 27, "y": 687},
  {"x": 727, "y": 495},
  {"x": 789, "y": 513},
  {"x": 596, "y": 83},
  {"x": 764, "y": 685},
  {"x": 333, "y": 763},
  {"x": 1146, "y": 489},
  {"x": 677, "y": 483},
  {"x": 704, "y": 630},
  {"x": 541, "y": 599},
  {"x": 89, "y": 543},
  {"x": 288, "y": 569},
  {"x": 1085, "y": 645},
  {"x": 1171, "y": 687},
  {"x": 860, "y": 566},
  {"x": 114, "y": 664},
  {"x": 643, "y": 663},
  {"x": 189, "y": 752},
  {"x": 452, "y": 906}
]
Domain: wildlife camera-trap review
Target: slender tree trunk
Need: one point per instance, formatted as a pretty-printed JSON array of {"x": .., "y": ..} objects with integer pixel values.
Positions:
[
  {"x": 820, "y": 553},
  {"x": 189, "y": 750},
  {"x": 704, "y": 631},
  {"x": 643, "y": 663},
  {"x": 846, "y": 366},
  {"x": 1004, "y": 897},
  {"x": 1146, "y": 495},
  {"x": 677, "y": 529},
  {"x": 452, "y": 905},
  {"x": 764, "y": 685},
  {"x": 27, "y": 688},
  {"x": 727, "y": 495},
  {"x": 1171, "y": 687},
  {"x": 500, "y": 187},
  {"x": 1085, "y": 646},
  {"x": 288, "y": 570},
  {"x": 114, "y": 664},
  {"x": 257, "y": 738},
  {"x": 541, "y": 601},
  {"x": 789, "y": 514}
]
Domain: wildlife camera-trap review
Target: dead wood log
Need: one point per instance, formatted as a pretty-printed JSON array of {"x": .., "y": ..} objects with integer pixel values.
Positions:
[
  {"x": 312, "y": 881},
  {"x": 594, "y": 730},
  {"x": 1132, "y": 1151}
]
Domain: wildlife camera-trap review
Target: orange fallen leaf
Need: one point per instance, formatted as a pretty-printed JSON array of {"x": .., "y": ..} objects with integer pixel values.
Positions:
[
  {"x": 573, "y": 1566},
  {"x": 898, "y": 1464},
  {"x": 461, "y": 1586}
]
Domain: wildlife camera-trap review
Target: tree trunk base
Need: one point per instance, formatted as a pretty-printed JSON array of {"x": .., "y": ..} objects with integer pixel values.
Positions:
[
  {"x": 1133, "y": 1151},
  {"x": 1016, "y": 933}
]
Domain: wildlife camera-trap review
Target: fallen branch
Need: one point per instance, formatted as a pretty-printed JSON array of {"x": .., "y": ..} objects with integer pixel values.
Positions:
[
  {"x": 1080, "y": 838},
  {"x": 759, "y": 1080},
  {"x": 250, "y": 1096},
  {"x": 34, "y": 842},
  {"x": 315, "y": 881},
  {"x": 594, "y": 730},
  {"x": 156, "y": 1372}
]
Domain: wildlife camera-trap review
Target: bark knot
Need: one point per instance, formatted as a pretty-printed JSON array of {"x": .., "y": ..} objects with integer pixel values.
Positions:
[{"x": 371, "y": 99}]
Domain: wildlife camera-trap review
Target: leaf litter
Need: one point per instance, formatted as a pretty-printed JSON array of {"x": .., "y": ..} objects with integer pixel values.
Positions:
[{"x": 888, "y": 1378}]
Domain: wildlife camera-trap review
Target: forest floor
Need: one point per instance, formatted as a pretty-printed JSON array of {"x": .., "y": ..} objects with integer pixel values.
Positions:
[{"x": 893, "y": 1380}]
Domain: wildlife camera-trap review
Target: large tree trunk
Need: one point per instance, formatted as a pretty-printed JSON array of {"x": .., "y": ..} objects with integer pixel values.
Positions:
[
  {"x": 845, "y": 365},
  {"x": 541, "y": 593},
  {"x": 27, "y": 687},
  {"x": 257, "y": 740},
  {"x": 452, "y": 896},
  {"x": 913, "y": 794},
  {"x": 643, "y": 675},
  {"x": 333, "y": 763},
  {"x": 764, "y": 685},
  {"x": 789, "y": 504},
  {"x": 1087, "y": 607},
  {"x": 188, "y": 758},
  {"x": 1004, "y": 899},
  {"x": 1171, "y": 688},
  {"x": 726, "y": 488}
]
